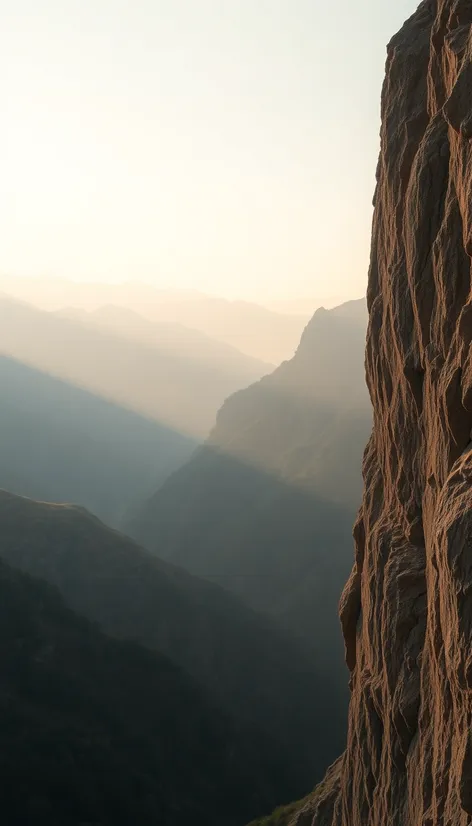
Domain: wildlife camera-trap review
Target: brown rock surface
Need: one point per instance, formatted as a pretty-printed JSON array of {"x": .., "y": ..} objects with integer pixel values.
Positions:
[{"x": 407, "y": 609}]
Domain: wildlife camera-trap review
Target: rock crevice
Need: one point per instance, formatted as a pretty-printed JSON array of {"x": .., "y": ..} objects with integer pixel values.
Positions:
[{"x": 406, "y": 611}]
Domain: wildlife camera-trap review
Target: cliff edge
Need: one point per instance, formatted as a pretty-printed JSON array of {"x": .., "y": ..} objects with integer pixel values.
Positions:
[{"x": 406, "y": 611}]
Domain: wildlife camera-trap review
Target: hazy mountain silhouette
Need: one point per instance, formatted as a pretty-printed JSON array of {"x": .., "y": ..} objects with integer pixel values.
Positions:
[
  {"x": 94, "y": 730},
  {"x": 302, "y": 306},
  {"x": 177, "y": 391},
  {"x": 172, "y": 338},
  {"x": 59, "y": 443},
  {"x": 251, "y": 328},
  {"x": 266, "y": 507},
  {"x": 251, "y": 667}
]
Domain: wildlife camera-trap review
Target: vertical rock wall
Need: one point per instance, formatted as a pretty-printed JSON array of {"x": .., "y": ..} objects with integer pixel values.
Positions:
[{"x": 407, "y": 609}]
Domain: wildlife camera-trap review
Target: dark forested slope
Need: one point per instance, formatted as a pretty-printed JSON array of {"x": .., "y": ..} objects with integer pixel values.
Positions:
[
  {"x": 95, "y": 731},
  {"x": 251, "y": 667}
]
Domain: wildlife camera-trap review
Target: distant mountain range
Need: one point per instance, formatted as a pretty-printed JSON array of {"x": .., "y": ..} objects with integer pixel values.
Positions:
[
  {"x": 266, "y": 506},
  {"x": 173, "y": 376},
  {"x": 204, "y": 704},
  {"x": 304, "y": 306},
  {"x": 255, "y": 330},
  {"x": 170, "y": 338}
]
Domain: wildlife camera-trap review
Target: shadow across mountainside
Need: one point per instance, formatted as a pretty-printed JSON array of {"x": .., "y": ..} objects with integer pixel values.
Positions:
[
  {"x": 266, "y": 506},
  {"x": 59, "y": 443},
  {"x": 94, "y": 730},
  {"x": 178, "y": 391},
  {"x": 280, "y": 547},
  {"x": 251, "y": 667}
]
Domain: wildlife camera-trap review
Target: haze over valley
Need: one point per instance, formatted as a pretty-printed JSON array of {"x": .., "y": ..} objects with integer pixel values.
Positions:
[
  {"x": 213, "y": 535},
  {"x": 238, "y": 481}
]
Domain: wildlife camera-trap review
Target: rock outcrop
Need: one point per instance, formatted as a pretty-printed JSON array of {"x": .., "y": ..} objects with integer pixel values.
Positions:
[{"x": 407, "y": 609}]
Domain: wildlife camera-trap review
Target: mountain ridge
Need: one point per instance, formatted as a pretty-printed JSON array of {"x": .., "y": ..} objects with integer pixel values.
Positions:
[
  {"x": 59, "y": 443},
  {"x": 280, "y": 470},
  {"x": 88, "y": 727},
  {"x": 252, "y": 328},
  {"x": 173, "y": 390},
  {"x": 253, "y": 669}
]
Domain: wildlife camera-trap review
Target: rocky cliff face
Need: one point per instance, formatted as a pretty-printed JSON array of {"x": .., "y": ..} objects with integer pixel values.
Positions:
[{"x": 407, "y": 609}]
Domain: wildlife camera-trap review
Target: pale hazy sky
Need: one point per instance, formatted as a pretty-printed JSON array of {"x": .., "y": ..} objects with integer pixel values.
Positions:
[{"x": 226, "y": 145}]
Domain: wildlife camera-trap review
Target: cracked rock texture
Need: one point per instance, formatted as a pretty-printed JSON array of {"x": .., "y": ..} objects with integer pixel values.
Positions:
[{"x": 406, "y": 611}]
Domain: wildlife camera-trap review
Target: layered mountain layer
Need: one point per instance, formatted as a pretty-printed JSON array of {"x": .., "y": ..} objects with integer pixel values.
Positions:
[
  {"x": 248, "y": 666},
  {"x": 266, "y": 506},
  {"x": 176, "y": 377},
  {"x": 98, "y": 731},
  {"x": 60, "y": 443}
]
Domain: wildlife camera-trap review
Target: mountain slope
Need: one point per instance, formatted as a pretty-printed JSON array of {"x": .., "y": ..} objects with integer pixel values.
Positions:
[
  {"x": 177, "y": 391},
  {"x": 253, "y": 669},
  {"x": 98, "y": 731},
  {"x": 266, "y": 506},
  {"x": 61, "y": 443}
]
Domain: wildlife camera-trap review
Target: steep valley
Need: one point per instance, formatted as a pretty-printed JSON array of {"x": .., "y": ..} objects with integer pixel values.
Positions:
[{"x": 266, "y": 506}]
